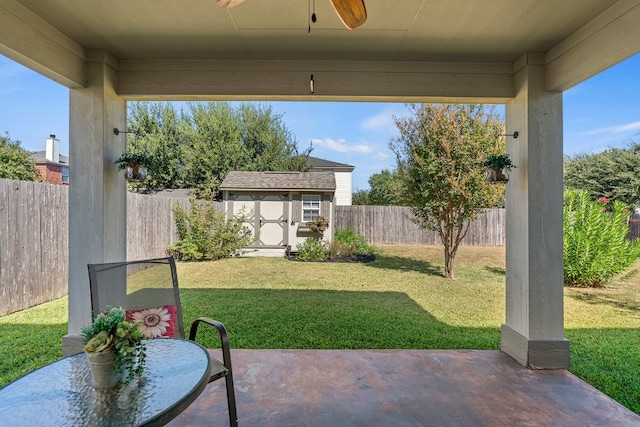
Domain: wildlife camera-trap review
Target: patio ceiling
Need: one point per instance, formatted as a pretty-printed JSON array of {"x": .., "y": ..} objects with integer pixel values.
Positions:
[
  {"x": 408, "y": 30},
  {"x": 413, "y": 49}
]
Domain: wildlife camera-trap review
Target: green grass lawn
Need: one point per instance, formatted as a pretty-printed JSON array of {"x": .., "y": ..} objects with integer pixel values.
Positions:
[{"x": 400, "y": 300}]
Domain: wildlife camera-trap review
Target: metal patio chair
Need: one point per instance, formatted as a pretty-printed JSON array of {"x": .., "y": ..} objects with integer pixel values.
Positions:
[{"x": 148, "y": 290}]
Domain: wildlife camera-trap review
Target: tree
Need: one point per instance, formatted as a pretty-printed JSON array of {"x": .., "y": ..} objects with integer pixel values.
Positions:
[
  {"x": 360, "y": 197},
  {"x": 386, "y": 188},
  {"x": 199, "y": 147},
  {"x": 16, "y": 162},
  {"x": 160, "y": 135},
  {"x": 439, "y": 154},
  {"x": 613, "y": 173}
]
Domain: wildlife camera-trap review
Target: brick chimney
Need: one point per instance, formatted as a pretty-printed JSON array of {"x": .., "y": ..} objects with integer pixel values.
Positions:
[{"x": 52, "y": 153}]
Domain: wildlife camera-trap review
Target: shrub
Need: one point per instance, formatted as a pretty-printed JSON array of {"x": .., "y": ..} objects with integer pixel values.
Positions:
[
  {"x": 312, "y": 249},
  {"x": 205, "y": 234},
  {"x": 347, "y": 242},
  {"x": 596, "y": 247}
]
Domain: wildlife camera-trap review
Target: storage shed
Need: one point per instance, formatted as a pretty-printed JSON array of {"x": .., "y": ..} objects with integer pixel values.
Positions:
[{"x": 279, "y": 205}]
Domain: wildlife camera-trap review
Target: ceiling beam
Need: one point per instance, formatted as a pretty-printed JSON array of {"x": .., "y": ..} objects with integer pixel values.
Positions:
[
  {"x": 29, "y": 40},
  {"x": 333, "y": 80},
  {"x": 607, "y": 40}
]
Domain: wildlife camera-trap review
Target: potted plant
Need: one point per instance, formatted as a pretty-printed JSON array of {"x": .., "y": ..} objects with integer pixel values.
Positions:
[
  {"x": 498, "y": 166},
  {"x": 114, "y": 348},
  {"x": 135, "y": 165}
]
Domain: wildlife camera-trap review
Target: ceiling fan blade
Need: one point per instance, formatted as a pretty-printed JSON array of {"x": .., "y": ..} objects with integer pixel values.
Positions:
[
  {"x": 229, "y": 3},
  {"x": 351, "y": 12}
]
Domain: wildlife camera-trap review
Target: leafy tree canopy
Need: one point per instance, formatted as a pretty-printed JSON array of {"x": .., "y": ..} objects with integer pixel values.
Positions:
[
  {"x": 198, "y": 147},
  {"x": 16, "y": 162},
  {"x": 385, "y": 189},
  {"x": 613, "y": 173},
  {"x": 439, "y": 156},
  {"x": 360, "y": 197}
]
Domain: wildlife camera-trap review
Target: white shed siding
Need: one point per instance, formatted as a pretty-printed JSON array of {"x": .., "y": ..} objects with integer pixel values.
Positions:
[{"x": 343, "y": 188}]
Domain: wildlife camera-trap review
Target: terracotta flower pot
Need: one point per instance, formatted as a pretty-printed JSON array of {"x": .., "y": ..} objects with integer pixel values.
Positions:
[{"x": 102, "y": 369}]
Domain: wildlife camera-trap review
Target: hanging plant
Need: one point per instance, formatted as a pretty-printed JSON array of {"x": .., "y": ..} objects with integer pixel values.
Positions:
[
  {"x": 318, "y": 224},
  {"x": 135, "y": 165},
  {"x": 498, "y": 167}
]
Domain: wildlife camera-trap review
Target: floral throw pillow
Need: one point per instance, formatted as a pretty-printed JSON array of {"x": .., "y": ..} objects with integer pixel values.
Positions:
[{"x": 156, "y": 322}]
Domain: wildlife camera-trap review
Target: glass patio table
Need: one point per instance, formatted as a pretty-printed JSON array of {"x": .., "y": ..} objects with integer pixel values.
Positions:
[{"x": 61, "y": 393}]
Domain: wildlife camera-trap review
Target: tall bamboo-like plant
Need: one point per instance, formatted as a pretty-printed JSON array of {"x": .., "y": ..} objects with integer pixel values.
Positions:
[{"x": 596, "y": 247}]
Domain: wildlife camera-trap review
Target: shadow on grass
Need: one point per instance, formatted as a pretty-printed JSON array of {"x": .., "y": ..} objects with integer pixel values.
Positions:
[
  {"x": 594, "y": 299},
  {"x": 497, "y": 270},
  {"x": 405, "y": 264},
  {"x": 316, "y": 319}
]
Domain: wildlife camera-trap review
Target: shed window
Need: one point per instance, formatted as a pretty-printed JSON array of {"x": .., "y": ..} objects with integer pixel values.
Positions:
[{"x": 310, "y": 207}]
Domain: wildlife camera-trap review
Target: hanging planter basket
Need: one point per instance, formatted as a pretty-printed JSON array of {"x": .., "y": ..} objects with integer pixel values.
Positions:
[
  {"x": 135, "y": 173},
  {"x": 498, "y": 167},
  {"x": 135, "y": 166},
  {"x": 497, "y": 176}
]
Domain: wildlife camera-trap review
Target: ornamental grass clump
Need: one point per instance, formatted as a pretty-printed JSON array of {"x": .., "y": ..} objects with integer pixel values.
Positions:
[
  {"x": 112, "y": 332},
  {"x": 596, "y": 247}
]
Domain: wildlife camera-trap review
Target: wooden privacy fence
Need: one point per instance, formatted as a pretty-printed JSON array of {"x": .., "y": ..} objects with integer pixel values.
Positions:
[
  {"x": 393, "y": 225},
  {"x": 33, "y": 244},
  {"x": 150, "y": 225},
  {"x": 34, "y": 253}
]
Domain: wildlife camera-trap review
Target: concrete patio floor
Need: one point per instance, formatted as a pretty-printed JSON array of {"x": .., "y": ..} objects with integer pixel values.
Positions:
[{"x": 327, "y": 388}]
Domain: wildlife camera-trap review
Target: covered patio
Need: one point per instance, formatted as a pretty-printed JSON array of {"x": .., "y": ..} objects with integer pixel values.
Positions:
[
  {"x": 523, "y": 53},
  {"x": 320, "y": 388}
]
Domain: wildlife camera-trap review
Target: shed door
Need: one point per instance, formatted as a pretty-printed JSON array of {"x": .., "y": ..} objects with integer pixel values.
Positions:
[{"x": 270, "y": 217}]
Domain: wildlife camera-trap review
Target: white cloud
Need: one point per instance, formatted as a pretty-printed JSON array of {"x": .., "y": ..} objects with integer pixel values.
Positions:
[
  {"x": 341, "y": 146},
  {"x": 628, "y": 127},
  {"x": 383, "y": 121},
  {"x": 381, "y": 156}
]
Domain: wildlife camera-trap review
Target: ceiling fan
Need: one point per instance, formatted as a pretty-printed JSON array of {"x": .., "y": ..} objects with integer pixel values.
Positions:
[{"x": 352, "y": 13}]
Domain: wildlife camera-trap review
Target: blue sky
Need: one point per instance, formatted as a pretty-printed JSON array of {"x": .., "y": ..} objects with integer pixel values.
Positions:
[{"x": 600, "y": 113}]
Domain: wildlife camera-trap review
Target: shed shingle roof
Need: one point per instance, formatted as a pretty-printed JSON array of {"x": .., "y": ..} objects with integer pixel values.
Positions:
[{"x": 279, "y": 181}]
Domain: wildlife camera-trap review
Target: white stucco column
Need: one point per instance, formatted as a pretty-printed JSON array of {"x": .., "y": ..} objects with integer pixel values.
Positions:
[
  {"x": 97, "y": 190},
  {"x": 533, "y": 333}
]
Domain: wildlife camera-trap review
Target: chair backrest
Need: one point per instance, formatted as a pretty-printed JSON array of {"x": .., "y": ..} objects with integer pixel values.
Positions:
[{"x": 137, "y": 285}]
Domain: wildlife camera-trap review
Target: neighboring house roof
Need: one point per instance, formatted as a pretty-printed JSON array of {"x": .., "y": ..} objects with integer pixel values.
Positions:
[
  {"x": 317, "y": 163},
  {"x": 176, "y": 193},
  {"x": 279, "y": 181},
  {"x": 41, "y": 157}
]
